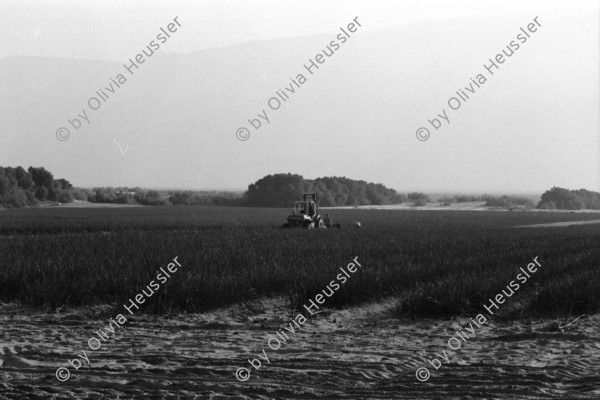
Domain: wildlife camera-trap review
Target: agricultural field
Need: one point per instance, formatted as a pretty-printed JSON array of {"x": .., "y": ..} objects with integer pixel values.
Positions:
[{"x": 65, "y": 272}]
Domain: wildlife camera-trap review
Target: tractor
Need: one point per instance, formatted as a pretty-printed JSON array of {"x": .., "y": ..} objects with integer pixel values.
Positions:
[{"x": 305, "y": 213}]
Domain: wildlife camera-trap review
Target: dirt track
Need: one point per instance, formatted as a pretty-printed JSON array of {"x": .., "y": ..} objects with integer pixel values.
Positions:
[{"x": 358, "y": 353}]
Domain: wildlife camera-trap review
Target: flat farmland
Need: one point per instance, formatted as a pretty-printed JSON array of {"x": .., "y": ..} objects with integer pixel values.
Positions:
[
  {"x": 424, "y": 275},
  {"x": 72, "y": 257}
]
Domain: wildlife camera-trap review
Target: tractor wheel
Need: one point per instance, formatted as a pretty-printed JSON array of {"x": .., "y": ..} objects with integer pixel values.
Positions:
[{"x": 320, "y": 224}]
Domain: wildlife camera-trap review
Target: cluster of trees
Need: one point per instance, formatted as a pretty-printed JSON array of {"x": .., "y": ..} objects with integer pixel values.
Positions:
[
  {"x": 138, "y": 196},
  {"x": 122, "y": 195},
  {"x": 565, "y": 199},
  {"x": 20, "y": 187},
  {"x": 281, "y": 190}
]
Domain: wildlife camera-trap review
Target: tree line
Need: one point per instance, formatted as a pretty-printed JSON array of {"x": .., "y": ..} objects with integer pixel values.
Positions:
[
  {"x": 145, "y": 197},
  {"x": 20, "y": 187},
  {"x": 491, "y": 201},
  {"x": 556, "y": 198}
]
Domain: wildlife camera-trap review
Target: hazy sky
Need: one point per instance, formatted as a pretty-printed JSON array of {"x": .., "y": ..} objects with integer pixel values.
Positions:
[
  {"x": 113, "y": 29},
  {"x": 533, "y": 126}
]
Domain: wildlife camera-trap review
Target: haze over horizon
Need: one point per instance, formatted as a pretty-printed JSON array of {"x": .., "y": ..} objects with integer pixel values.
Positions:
[{"x": 534, "y": 123}]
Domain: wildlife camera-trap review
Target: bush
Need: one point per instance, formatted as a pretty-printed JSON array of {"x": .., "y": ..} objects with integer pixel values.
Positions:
[
  {"x": 65, "y": 196},
  {"x": 415, "y": 196},
  {"x": 80, "y": 194},
  {"x": 15, "y": 198},
  {"x": 547, "y": 205}
]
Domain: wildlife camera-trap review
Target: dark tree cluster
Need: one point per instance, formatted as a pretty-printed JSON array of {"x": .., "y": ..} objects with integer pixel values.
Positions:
[
  {"x": 20, "y": 188},
  {"x": 281, "y": 190},
  {"x": 565, "y": 199},
  {"x": 278, "y": 190}
]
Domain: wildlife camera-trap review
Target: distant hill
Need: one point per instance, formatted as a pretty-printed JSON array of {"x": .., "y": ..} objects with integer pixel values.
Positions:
[{"x": 178, "y": 114}]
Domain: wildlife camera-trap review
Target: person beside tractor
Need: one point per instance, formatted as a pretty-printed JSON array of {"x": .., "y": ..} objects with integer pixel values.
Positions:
[{"x": 327, "y": 220}]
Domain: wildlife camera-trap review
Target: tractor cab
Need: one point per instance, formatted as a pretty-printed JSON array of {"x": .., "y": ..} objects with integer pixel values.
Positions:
[
  {"x": 307, "y": 206},
  {"x": 306, "y": 213}
]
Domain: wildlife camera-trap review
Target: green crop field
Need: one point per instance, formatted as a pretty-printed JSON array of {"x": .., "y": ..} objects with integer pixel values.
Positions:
[{"x": 436, "y": 263}]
